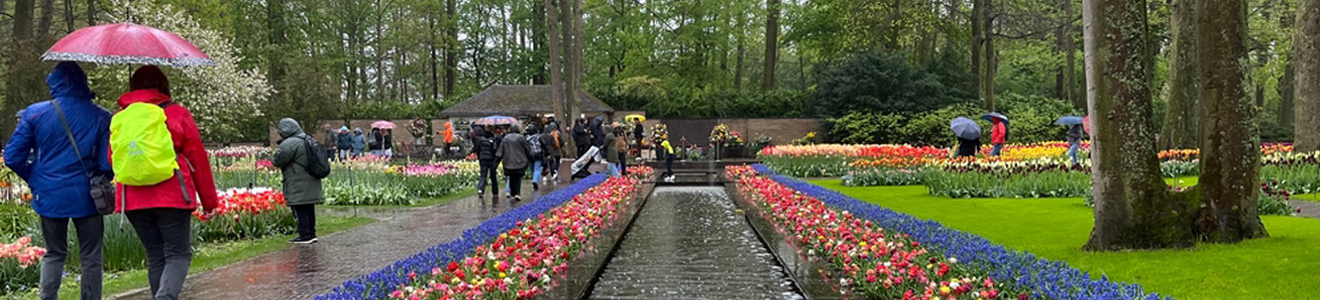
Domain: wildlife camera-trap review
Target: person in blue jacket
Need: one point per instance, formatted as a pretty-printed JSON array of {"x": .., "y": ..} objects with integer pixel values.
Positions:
[{"x": 57, "y": 178}]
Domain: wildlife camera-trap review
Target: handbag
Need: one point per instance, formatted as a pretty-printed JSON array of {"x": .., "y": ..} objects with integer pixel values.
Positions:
[{"x": 102, "y": 188}]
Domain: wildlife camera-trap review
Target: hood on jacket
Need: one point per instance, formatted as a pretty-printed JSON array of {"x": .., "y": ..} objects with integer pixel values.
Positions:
[
  {"x": 69, "y": 81},
  {"x": 448, "y": 126},
  {"x": 288, "y": 128},
  {"x": 142, "y": 96},
  {"x": 357, "y": 130}
]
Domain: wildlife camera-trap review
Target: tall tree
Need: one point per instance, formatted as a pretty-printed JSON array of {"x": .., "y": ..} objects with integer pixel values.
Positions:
[
  {"x": 1286, "y": 104},
  {"x": 451, "y": 48},
  {"x": 1132, "y": 203},
  {"x": 1070, "y": 57},
  {"x": 552, "y": 34},
  {"x": 24, "y": 84},
  {"x": 1306, "y": 60},
  {"x": 1230, "y": 137},
  {"x": 574, "y": 106},
  {"x": 47, "y": 18},
  {"x": 977, "y": 38},
  {"x": 991, "y": 57},
  {"x": 1182, "y": 126},
  {"x": 771, "y": 44}
]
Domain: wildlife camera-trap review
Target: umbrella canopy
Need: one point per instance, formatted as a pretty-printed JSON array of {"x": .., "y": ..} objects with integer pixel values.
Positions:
[
  {"x": 496, "y": 120},
  {"x": 1086, "y": 124},
  {"x": 994, "y": 115},
  {"x": 127, "y": 44},
  {"x": 383, "y": 124},
  {"x": 632, "y": 117},
  {"x": 1069, "y": 120},
  {"x": 965, "y": 128}
]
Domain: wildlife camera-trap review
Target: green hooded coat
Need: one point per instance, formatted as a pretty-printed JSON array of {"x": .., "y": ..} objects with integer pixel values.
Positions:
[{"x": 292, "y": 156}]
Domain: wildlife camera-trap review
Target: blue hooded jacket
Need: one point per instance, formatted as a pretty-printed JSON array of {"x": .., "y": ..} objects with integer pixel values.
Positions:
[{"x": 39, "y": 150}]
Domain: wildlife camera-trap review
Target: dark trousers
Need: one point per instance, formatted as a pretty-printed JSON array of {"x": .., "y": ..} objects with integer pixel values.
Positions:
[
  {"x": 488, "y": 171},
  {"x": 669, "y": 165},
  {"x": 306, "y": 216},
  {"x": 91, "y": 231},
  {"x": 554, "y": 164},
  {"x": 623, "y": 163},
  {"x": 515, "y": 180},
  {"x": 166, "y": 233}
]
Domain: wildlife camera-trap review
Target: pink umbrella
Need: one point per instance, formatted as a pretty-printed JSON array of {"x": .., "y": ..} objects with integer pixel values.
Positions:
[
  {"x": 1086, "y": 124},
  {"x": 383, "y": 124},
  {"x": 127, "y": 44}
]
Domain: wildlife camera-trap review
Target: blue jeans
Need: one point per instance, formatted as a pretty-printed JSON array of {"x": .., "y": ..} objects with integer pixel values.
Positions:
[
  {"x": 614, "y": 170},
  {"x": 995, "y": 151},
  {"x": 1072, "y": 151},
  {"x": 536, "y": 171}
]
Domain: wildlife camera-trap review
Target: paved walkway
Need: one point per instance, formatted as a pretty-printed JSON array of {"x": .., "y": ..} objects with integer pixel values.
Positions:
[
  {"x": 1310, "y": 209},
  {"x": 304, "y": 271}
]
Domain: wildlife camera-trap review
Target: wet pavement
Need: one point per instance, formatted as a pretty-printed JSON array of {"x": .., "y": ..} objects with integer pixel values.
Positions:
[
  {"x": 690, "y": 243},
  {"x": 304, "y": 271},
  {"x": 1310, "y": 209}
]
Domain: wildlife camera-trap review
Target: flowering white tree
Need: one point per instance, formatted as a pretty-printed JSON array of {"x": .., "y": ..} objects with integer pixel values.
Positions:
[{"x": 221, "y": 96}]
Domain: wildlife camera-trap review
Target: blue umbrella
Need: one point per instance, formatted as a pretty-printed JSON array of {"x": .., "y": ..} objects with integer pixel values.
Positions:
[
  {"x": 965, "y": 128},
  {"x": 1069, "y": 120},
  {"x": 994, "y": 115},
  {"x": 495, "y": 120}
]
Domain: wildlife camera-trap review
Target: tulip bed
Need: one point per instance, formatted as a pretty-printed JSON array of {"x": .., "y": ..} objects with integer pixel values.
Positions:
[
  {"x": 1043, "y": 279},
  {"x": 20, "y": 265},
  {"x": 516, "y": 255},
  {"x": 871, "y": 261},
  {"x": 361, "y": 181}
]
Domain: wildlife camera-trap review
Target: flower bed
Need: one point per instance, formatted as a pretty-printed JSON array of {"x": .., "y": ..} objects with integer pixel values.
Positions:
[
  {"x": 364, "y": 180},
  {"x": 516, "y": 255},
  {"x": 20, "y": 267},
  {"x": 246, "y": 215},
  {"x": 1045, "y": 279},
  {"x": 871, "y": 261}
]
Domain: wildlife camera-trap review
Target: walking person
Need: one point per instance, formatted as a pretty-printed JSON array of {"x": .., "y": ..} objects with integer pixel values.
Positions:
[
  {"x": 581, "y": 136},
  {"x": 550, "y": 138},
  {"x": 1074, "y": 141},
  {"x": 58, "y": 174},
  {"x": 161, "y": 213},
  {"x": 387, "y": 143},
  {"x": 374, "y": 140},
  {"x": 536, "y": 156},
  {"x": 331, "y": 141},
  {"x": 621, "y": 145},
  {"x": 484, "y": 146},
  {"x": 514, "y": 152},
  {"x": 669, "y": 159},
  {"x": 448, "y": 135},
  {"x": 967, "y": 147},
  {"x": 611, "y": 153},
  {"x": 998, "y": 135},
  {"x": 359, "y": 142},
  {"x": 302, "y": 191},
  {"x": 345, "y": 143}
]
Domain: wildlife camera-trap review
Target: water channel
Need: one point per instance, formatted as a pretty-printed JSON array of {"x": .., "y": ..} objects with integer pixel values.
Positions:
[{"x": 692, "y": 243}]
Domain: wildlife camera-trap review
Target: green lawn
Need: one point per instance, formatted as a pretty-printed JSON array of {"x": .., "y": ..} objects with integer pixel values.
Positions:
[
  {"x": 1284, "y": 266},
  {"x": 206, "y": 257}
]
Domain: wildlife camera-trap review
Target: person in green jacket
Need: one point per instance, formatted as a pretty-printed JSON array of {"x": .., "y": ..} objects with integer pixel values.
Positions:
[{"x": 302, "y": 192}]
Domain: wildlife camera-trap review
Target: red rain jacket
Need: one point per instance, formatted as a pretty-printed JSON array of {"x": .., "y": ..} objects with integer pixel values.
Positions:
[
  {"x": 194, "y": 166},
  {"x": 998, "y": 133}
]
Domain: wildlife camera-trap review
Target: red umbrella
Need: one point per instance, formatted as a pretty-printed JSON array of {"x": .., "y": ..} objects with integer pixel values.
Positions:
[
  {"x": 1086, "y": 124},
  {"x": 127, "y": 44}
]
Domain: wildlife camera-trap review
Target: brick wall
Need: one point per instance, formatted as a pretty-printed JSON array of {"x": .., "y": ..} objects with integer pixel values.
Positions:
[
  {"x": 400, "y": 132},
  {"x": 780, "y": 131}
]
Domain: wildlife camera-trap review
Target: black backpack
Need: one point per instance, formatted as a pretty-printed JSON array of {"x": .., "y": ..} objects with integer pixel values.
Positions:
[
  {"x": 318, "y": 164},
  {"x": 535, "y": 142}
]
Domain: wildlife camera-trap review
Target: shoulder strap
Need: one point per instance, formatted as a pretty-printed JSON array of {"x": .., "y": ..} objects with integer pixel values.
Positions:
[{"x": 69, "y": 133}]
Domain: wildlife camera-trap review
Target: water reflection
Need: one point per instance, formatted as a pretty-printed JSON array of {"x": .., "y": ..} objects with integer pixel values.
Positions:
[{"x": 689, "y": 243}]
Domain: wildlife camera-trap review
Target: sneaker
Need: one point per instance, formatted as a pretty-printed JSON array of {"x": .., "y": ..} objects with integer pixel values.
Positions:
[
  {"x": 535, "y": 187},
  {"x": 507, "y": 195},
  {"x": 554, "y": 177},
  {"x": 517, "y": 198},
  {"x": 302, "y": 240},
  {"x": 481, "y": 195}
]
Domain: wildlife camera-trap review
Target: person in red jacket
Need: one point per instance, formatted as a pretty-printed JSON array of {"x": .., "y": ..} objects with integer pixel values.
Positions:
[
  {"x": 998, "y": 134},
  {"x": 162, "y": 214}
]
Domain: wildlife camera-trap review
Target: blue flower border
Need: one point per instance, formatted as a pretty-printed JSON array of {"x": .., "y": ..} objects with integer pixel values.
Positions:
[
  {"x": 378, "y": 284},
  {"x": 1045, "y": 278}
]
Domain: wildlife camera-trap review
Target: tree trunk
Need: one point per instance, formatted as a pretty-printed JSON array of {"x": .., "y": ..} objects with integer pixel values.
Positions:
[
  {"x": 802, "y": 68},
  {"x": 1133, "y": 207},
  {"x": 575, "y": 106},
  {"x": 1306, "y": 93},
  {"x": 1182, "y": 125},
  {"x": 451, "y": 48},
  {"x": 380, "y": 53},
  {"x": 435, "y": 57},
  {"x": 23, "y": 85},
  {"x": 556, "y": 84},
  {"x": 976, "y": 46},
  {"x": 991, "y": 57},
  {"x": 275, "y": 38},
  {"x": 47, "y": 18},
  {"x": 91, "y": 12},
  {"x": 68, "y": 16},
  {"x": 1058, "y": 76},
  {"x": 771, "y": 44},
  {"x": 1286, "y": 96},
  {"x": 1070, "y": 68},
  {"x": 1230, "y": 156}
]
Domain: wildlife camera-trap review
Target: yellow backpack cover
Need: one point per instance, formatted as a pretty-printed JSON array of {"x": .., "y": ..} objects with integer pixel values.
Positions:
[{"x": 143, "y": 148}]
